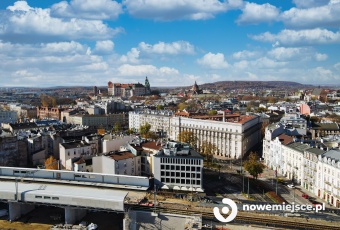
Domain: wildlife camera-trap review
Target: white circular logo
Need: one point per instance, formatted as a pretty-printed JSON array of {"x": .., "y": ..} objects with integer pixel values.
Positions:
[{"x": 226, "y": 210}]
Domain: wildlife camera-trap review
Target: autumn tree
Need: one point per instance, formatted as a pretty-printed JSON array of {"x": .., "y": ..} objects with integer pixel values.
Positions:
[
  {"x": 253, "y": 166},
  {"x": 207, "y": 149},
  {"x": 188, "y": 137},
  {"x": 51, "y": 163},
  {"x": 182, "y": 106}
]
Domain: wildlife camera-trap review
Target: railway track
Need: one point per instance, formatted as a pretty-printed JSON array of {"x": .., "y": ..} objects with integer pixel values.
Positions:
[{"x": 244, "y": 219}]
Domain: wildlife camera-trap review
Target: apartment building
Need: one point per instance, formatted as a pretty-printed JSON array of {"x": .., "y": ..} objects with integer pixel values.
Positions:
[
  {"x": 328, "y": 177},
  {"x": 178, "y": 167},
  {"x": 97, "y": 120},
  {"x": 310, "y": 168},
  {"x": 159, "y": 120},
  {"x": 120, "y": 163},
  {"x": 73, "y": 149}
]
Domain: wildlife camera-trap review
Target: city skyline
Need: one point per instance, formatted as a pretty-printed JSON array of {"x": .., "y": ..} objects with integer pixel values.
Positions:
[{"x": 173, "y": 42}]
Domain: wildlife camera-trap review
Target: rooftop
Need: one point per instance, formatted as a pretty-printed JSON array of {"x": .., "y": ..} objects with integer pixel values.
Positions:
[
  {"x": 121, "y": 155},
  {"x": 74, "y": 144},
  {"x": 333, "y": 154}
]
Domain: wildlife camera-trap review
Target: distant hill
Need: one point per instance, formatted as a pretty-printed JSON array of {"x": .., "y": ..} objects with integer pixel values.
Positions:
[{"x": 227, "y": 85}]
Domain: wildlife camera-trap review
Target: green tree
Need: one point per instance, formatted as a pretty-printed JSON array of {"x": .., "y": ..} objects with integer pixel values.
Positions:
[
  {"x": 145, "y": 130},
  {"x": 253, "y": 166},
  {"x": 129, "y": 131},
  {"x": 212, "y": 112},
  {"x": 188, "y": 137},
  {"x": 160, "y": 107},
  {"x": 117, "y": 127}
]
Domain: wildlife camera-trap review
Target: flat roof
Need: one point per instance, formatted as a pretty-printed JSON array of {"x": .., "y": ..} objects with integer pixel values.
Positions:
[
  {"x": 80, "y": 196},
  {"x": 121, "y": 155}
]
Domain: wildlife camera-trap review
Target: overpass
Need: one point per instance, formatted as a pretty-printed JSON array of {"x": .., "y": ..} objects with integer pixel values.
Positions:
[
  {"x": 23, "y": 188},
  {"x": 23, "y": 196}
]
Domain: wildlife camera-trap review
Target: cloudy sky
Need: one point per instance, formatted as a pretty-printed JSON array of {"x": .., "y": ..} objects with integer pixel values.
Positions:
[{"x": 173, "y": 42}]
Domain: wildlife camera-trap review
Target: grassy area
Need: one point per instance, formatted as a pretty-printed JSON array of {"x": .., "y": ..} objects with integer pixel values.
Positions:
[{"x": 4, "y": 224}]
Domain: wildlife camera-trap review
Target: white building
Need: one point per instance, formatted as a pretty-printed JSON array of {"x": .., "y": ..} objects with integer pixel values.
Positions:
[
  {"x": 328, "y": 177},
  {"x": 113, "y": 143},
  {"x": 74, "y": 149},
  {"x": 159, "y": 120},
  {"x": 121, "y": 163},
  {"x": 178, "y": 167},
  {"x": 310, "y": 166},
  {"x": 233, "y": 138}
]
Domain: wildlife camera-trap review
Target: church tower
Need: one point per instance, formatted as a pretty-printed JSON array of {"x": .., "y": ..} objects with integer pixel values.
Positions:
[{"x": 147, "y": 86}]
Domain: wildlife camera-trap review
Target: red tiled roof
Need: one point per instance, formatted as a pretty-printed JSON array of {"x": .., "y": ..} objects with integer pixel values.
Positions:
[
  {"x": 122, "y": 155},
  {"x": 152, "y": 145},
  {"x": 285, "y": 139}
]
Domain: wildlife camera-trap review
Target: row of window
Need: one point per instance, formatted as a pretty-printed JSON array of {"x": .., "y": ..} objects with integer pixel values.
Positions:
[
  {"x": 47, "y": 197},
  {"x": 180, "y": 181},
  {"x": 181, "y": 168},
  {"x": 181, "y": 161},
  {"x": 181, "y": 174}
]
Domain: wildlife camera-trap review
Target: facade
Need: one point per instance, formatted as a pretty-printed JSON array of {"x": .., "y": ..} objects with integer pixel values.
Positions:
[
  {"x": 233, "y": 135},
  {"x": 49, "y": 113},
  {"x": 159, "y": 120},
  {"x": 119, "y": 163},
  {"x": 98, "y": 120},
  {"x": 310, "y": 167},
  {"x": 128, "y": 90},
  {"x": 74, "y": 149},
  {"x": 8, "y": 116},
  {"x": 233, "y": 138},
  {"x": 328, "y": 177},
  {"x": 179, "y": 167}
]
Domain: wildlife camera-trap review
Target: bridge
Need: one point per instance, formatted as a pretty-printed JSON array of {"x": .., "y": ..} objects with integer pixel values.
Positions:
[{"x": 23, "y": 188}]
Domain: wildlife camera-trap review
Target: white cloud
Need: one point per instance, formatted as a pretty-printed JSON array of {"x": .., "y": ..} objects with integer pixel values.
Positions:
[
  {"x": 300, "y": 37},
  {"x": 146, "y": 70},
  {"x": 310, "y": 3},
  {"x": 36, "y": 24},
  {"x": 174, "y": 48},
  {"x": 104, "y": 47},
  {"x": 87, "y": 9},
  {"x": 20, "y": 6},
  {"x": 245, "y": 54},
  {"x": 316, "y": 16},
  {"x": 321, "y": 57},
  {"x": 253, "y": 13},
  {"x": 177, "y": 9},
  {"x": 131, "y": 57},
  {"x": 213, "y": 61},
  {"x": 289, "y": 54},
  {"x": 337, "y": 66}
]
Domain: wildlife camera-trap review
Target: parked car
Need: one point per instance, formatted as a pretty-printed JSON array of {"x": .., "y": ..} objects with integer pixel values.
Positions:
[
  {"x": 290, "y": 186},
  {"x": 305, "y": 196}
]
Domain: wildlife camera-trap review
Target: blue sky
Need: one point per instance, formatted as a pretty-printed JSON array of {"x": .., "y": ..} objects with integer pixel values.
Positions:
[{"x": 173, "y": 42}]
